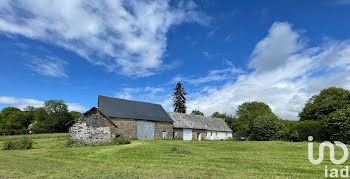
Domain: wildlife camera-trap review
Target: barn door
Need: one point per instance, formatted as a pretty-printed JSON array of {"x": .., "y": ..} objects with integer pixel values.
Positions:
[
  {"x": 187, "y": 134},
  {"x": 145, "y": 130}
]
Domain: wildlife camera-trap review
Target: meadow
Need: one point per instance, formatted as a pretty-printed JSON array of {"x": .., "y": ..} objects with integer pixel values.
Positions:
[{"x": 50, "y": 158}]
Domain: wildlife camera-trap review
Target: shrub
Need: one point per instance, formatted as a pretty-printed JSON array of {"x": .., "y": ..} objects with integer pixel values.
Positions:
[
  {"x": 305, "y": 129},
  {"x": 298, "y": 131},
  {"x": 21, "y": 143},
  {"x": 13, "y": 131},
  {"x": 266, "y": 127},
  {"x": 121, "y": 141}
]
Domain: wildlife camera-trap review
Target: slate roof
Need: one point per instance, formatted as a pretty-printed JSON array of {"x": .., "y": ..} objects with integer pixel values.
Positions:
[
  {"x": 191, "y": 121},
  {"x": 122, "y": 108}
]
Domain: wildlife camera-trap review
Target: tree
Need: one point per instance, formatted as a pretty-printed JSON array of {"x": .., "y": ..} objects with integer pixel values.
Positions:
[
  {"x": 14, "y": 121},
  {"x": 266, "y": 127},
  {"x": 75, "y": 114},
  {"x": 239, "y": 128},
  {"x": 179, "y": 99},
  {"x": 8, "y": 111},
  {"x": 336, "y": 126},
  {"x": 53, "y": 117},
  {"x": 197, "y": 112},
  {"x": 323, "y": 104},
  {"x": 55, "y": 107},
  {"x": 248, "y": 111}
]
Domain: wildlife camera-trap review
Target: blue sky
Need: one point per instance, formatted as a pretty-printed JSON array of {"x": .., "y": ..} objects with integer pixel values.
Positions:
[{"x": 224, "y": 52}]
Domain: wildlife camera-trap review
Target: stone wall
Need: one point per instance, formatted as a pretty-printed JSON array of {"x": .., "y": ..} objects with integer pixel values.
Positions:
[
  {"x": 126, "y": 128},
  {"x": 92, "y": 127},
  {"x": 163, "y": 126},
  {"x": 196, "y": 131},
  {"x": 179, "y": 133}
]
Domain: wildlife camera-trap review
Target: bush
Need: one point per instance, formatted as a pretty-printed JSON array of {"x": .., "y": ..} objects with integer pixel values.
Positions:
[
  {"x": 121, "y": 141},
  {"x": 266, "y": 127},
  {"x": 21, "y": 143},
  {"x": 13, "y": 131},
  {"x": 298, "y": 131},
  {"x": 336, "y": 126}
]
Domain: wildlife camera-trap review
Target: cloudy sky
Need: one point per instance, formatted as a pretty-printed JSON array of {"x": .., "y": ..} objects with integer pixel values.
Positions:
[{"x": 224, "y": 52}]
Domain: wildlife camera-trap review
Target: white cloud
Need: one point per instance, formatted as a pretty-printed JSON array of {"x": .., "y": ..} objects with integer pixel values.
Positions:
[
  {"x": 20, "y": 102},
  {"x": 284, "y": 79},
  {"x": 76, "y": 107},
  {"x": 49, "y": 66},
  {"x": 24, "y": 102},
  {"x": 147, "y": 93},
  {"x": 213, "y": 75},
  {"x": 124, "y": 36},
  {"x": 272, "y": 51}
]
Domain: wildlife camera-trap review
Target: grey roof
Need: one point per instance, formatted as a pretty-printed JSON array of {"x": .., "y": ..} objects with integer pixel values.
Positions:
[
  {"x": 191, "y": 121},
  {"x": 122, "y": 108}
]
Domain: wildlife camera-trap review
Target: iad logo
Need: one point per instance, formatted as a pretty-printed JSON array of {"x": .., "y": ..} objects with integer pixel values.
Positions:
[
  {"x": 334, "y": 172},
  {"x": 331, "y": 152}
]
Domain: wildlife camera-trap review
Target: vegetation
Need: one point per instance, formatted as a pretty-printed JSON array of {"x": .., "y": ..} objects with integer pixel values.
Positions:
[
  {"x": 179, "y": 99},
  {"x": 52, "y": 117},
  {"x": 326, "y": 116},
  {"x": 332, "y": 108},
  {"x": 179, "y": 150},
  {"x": 114, "y": 141},
  {"x": 197, "y": 112},
  {"x": 156, "y": 159},
  {"x": 242, "y": 123},
  {"x": 323, "y": 104},
  {"x": 337, "y": 126},
  {"x": 20, "y": 143},
  {"x": 266, "y": 127}
]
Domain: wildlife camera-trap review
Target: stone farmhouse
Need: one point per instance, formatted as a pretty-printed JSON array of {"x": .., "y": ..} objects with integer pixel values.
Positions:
[
  {"x": 195, "y": 127},
  {"x": 117, "y": 117}
]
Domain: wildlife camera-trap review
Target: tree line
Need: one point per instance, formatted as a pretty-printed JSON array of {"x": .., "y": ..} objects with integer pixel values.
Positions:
[
  {"x": 52, "y": 117},
  {"x": 325, "y": 116}
]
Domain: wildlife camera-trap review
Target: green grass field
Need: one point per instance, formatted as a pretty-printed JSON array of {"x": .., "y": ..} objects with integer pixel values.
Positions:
[{"x": 157, "y": 158}]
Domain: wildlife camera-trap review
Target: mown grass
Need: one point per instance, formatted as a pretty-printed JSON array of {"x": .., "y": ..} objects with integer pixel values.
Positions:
[{"x": 50, "y": 158}]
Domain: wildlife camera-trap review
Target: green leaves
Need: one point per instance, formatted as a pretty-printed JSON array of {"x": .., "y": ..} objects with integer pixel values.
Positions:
[
  {"x": 337, "y": 126},
  {"x": 53, "y": 117},
  {"x": 328, "y": 101},
  {"x": 197, "y": 112},
  {"x": 266, "y": 127}
]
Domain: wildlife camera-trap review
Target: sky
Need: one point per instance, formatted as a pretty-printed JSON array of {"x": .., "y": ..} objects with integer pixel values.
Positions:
[{"x": 223, "y": 52}]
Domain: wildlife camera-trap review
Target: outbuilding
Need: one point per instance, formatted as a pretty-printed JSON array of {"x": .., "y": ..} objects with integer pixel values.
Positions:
[
  {"x": 196, "y": 127},
  {"x": 136, "y": 119}
]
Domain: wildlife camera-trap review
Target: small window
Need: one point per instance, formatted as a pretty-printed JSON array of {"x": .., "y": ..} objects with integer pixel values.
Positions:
[{"x": 211, "y": 133}]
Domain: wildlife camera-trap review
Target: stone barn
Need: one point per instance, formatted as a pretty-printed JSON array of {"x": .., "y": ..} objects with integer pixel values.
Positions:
[
  {"x": 92, "y": 126},
  {"x": 195, "y": 127},
  {"x": 136, "y": 119}
]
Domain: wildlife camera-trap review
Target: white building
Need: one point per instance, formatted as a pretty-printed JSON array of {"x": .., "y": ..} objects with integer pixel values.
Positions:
[{"x": 195, "y": 127}]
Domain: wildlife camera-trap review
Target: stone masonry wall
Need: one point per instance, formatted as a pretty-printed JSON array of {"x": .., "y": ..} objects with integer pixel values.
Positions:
[
  {"x": 92, "y": 127},
  {"x": 179, "y": 133},
  {"x": 126, "y": 128},
  {"x": 163, "y": 126},
  {"x": 194, "y": 134}
]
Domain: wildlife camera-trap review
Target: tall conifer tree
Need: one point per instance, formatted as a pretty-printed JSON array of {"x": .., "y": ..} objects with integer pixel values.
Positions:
[{"x": 179, "y": 99}]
